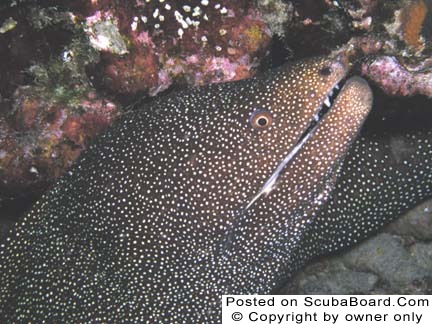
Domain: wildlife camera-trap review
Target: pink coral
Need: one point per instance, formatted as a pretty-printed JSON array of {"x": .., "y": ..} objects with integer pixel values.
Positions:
[
  {"x": 45, "y": 136},
  {"x": 99, "y": 16},
  {"x": 145, "y": 39},
  {"x": 167, "y": 42},
  {"x": 395, "y": 79}
]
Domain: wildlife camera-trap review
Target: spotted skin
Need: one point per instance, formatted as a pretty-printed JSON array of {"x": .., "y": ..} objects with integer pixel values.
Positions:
[
  {"x": 152, "y": 224},
  {"x": 382, "y": 177}
]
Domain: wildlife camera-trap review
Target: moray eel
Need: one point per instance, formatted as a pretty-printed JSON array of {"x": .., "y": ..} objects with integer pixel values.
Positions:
[
  {"x": 384, "y": 175},
  {"x": 206, "y": 192}
]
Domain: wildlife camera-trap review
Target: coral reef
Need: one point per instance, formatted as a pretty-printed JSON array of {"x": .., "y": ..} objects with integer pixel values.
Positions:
[
  {"x": 45, "y": 133},
  {"x": 412, "y": 21},
  {"x": 49, "y": 110},
  {"x": 408, "y": 23},
  {"x": 277, "y": 14},
  {"x": 68, "y": 65},
  {"x": 150, "y": 44},
  {"x": 392, "y": 35},
  {"x": 396, "y": 79}
]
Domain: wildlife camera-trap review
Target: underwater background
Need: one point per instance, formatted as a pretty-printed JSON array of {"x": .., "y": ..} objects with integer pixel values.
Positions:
[{"x": 68, "y": 69}]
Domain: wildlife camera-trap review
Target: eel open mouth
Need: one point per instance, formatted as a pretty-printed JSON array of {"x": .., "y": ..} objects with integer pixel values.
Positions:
[
  {"x": 325, "y": 107},
  {"x": 323, "y": 110}
]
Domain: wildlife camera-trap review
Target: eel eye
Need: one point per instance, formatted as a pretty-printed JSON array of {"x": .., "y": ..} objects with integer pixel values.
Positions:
[
  {"x": 325, "y": 71},
  {"x": 261, "y": 119}
]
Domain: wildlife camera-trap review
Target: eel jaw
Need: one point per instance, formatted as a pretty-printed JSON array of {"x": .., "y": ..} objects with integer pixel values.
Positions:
[{"x": 325, "y": 107}]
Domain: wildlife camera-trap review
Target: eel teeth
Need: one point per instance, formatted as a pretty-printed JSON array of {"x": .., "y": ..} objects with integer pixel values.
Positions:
[{"x": 327, "y": 102}]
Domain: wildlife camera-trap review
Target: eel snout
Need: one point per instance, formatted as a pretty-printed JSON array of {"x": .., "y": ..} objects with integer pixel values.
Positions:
[
  {"x": 353, "y": 104},
  {"x": 340, "y": 126},
  {"x": 311, "y": 172}
]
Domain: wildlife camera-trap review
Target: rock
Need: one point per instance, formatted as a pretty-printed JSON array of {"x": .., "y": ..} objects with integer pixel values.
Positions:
[
  {"x": 384, "y": 264},
  {"x": 416, "y": 223},
  {"x": 333, "y": 278},
  {"x": 277, "y": 14},
  {"x": 386, "y": 256},
  {"x": 396, "y": 79}
]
